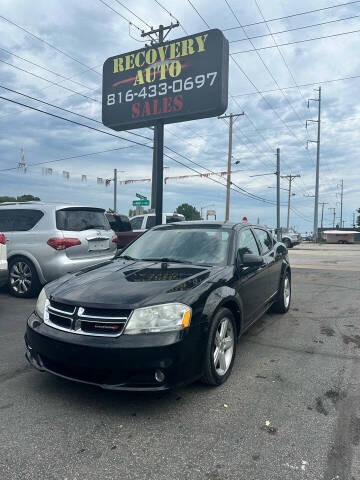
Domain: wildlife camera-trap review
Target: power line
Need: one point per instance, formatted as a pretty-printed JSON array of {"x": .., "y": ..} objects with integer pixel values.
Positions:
[
  {"x": 50, "y": 81},
  {"x": 294, "y": 29},
  {"x": 171, "y": 15},
  {"x": 297, "y": 41},
  {"x": 72, "y": 121},
  {"x": 120, "y": 15},
  {"x": 133, "y": 13},
  {"x": 197, "y": 11},
  {"x": 353, "y": 77},
  {"x": 66, "y": 110},
  {"x": 262, "y": 60},
  {"x": 44, "y": 68},
  {"x": 48, "y": 44},
  {"x": 293, "y": 15},
  {"x": 70, "y": 158}
]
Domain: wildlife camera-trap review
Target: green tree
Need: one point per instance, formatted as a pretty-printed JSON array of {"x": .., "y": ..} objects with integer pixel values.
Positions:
[
  {"x": 189, "y": 212},
  {"x": 19, "y": 198}
]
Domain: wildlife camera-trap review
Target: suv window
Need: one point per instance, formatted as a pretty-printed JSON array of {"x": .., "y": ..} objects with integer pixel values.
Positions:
[
  {"x": 136, "y": 223},
  {"x": 173, "y": 219},
  {"x": 19, "y": 220},
  {"x": 78, "y": 219},
  {"x": 264, "y": 240},
  {"x": 247, "y": 243},
  {"x": 119, "y": 223},
  {"x": 150, "y": 222}
]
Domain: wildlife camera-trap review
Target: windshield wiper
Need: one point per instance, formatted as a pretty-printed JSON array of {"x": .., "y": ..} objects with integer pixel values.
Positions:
[
  {"x": 127, "y": 257},
  {"x": 165, "y": 259}
]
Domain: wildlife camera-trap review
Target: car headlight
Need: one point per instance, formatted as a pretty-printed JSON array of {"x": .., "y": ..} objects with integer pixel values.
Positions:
[
  {"x": 159, "y": 318},
  {"x": 41, "y": 304}
]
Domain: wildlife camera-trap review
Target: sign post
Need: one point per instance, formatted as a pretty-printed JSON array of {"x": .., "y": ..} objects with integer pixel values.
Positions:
[{"x": 171, "y": 81}]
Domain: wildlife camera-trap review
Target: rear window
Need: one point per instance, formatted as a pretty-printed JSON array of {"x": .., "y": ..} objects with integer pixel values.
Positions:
[
  {"x": 78, "y": 219},
  {"x": 19, "y": 220},
  {"x": 151, "y": 221},
  {"x": 119, "y": 223}
]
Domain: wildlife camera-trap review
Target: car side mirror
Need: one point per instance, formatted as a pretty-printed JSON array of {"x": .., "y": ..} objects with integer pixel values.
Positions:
[{"x": 248, "y": 260}]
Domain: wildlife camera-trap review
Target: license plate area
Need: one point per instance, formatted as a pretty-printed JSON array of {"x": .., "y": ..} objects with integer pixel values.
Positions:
[{"x": 98, "y": 245}]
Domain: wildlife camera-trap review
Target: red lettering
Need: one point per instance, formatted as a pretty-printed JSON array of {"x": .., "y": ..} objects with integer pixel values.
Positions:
[
  {"x": 146, "y": 110},
  {"x": 167, "y": 104},
  {"x": 178, "y": 103},
  {"x": 135, "y": 110},
  {"x": 155, "y": 105}
]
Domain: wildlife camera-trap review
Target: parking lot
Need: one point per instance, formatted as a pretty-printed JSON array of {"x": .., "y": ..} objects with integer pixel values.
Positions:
[{"x": 289, "y": 410}]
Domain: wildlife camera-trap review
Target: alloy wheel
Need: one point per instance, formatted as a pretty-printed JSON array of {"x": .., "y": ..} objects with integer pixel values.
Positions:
[
  {"x": 20, "y": 277},
  {"x": 287, "y": 291},
  {"x": 223, "y": 346}
]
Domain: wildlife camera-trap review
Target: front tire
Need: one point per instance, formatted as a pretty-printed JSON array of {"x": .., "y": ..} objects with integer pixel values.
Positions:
[
  {"x": 287, "y": 243},
  {"x": 282, "y": 305},
  {"x": 221, "y": 348},
  {"x": 23, "y": 281}
]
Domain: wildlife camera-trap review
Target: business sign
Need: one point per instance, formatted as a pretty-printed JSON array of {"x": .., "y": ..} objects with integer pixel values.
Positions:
[{"x": 179, "y": 80}]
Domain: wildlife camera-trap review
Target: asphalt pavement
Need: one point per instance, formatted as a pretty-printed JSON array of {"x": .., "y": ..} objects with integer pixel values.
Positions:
[{"x": 290, "y": 409}]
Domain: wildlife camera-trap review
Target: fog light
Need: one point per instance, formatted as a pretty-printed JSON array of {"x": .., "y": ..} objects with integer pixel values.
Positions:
[{"x": 159, "y": 376}]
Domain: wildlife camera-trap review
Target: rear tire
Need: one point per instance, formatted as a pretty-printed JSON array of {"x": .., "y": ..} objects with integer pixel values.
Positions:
[
  {"x": 282, "y": 305},
  {"x": 221, "y": 348},
  {"x": 287, "y": 243},
  {"x": 23, "y": 280}
]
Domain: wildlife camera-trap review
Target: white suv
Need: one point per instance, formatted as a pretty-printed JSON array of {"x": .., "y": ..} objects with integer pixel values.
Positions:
[
  {"x": 140, "y": 223},
  {"x": 3, "y": 261}
]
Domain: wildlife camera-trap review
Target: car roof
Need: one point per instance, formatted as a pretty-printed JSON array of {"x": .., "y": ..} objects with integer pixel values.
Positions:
[
  {"x": 211, "y": 223},
  {"x": 46, "y": 205}
]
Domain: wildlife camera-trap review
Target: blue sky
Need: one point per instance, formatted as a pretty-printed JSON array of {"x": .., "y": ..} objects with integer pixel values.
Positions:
[{"x": 90, "y": 32}]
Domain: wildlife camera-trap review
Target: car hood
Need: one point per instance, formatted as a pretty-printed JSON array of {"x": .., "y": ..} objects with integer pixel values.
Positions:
[{"x": 129, "y": 284}]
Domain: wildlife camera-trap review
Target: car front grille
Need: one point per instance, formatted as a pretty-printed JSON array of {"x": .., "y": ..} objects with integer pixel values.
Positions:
[{"x": 85, "y": 320}]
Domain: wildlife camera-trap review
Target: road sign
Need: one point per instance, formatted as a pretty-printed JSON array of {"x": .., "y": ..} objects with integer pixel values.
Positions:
[
  {"x": 140, "y": 196},
  {"x": 179, "y": 80},
  {"x": 141, "y": 203}
]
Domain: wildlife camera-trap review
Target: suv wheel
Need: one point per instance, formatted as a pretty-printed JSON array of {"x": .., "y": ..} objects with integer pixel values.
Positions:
[
  {"x": 282, "y": 305},
  {"x": 287, "y": 243},
  {"x": 23, "y": 280},
  {"x": 221, "y": 348}
]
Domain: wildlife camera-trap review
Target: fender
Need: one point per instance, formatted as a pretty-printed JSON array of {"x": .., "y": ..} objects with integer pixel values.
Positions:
[
  {"x": 219, "y": 297},
  {"x": 33, "y": 260}
]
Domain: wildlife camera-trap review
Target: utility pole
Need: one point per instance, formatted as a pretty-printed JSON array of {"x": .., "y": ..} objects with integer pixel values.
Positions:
[
  {"x": 291, "y": 178},
  {"x": 322, "y": 212},
  {"x": 334, "y": 215},
  {"x": 228, "y": 183},
  {"x": 353, "y": 222},
  {"x": 278, "y": 225},
  {"x": 316, "y": 206},
  {"x": 341, "y": 201},
  {"x": 158, "y": 152},
  {"x": 115, "y": 190}
]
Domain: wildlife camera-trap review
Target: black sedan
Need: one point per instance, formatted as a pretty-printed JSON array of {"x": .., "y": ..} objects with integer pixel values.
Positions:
[{"x": 167, "y": 311}]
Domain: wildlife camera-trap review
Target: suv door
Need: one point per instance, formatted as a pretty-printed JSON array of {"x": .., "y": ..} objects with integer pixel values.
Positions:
[
  {"x": 250, "y": 279},
  {"x": 271, "y": 265}
]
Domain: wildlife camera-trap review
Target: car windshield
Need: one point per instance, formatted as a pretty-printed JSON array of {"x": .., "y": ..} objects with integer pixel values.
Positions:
[{"x": 182, "y": 244}]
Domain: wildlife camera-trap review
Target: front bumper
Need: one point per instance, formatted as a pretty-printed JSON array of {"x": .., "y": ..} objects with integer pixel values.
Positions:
[{"x": 128, "y": 362}]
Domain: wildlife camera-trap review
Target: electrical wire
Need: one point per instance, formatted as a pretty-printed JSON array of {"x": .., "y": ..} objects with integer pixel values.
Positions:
[
  {"x": 171, "y": 15},
  {"x": 48, "y": 44},
  {"x": 295, "y": 42},
  {"x": 353, "y": 77},
  {"x": 73, "y": 121},
  {"x": 133, "y": 13},
  {"x": 293, "y": 15},
  {"x": 50, "y": 81},
  {"x": 44, "y": 68},
  {"x": 122, "y": 16},
  {"x": 294, "y": 29},
  {"x": 197, "y": 11}
]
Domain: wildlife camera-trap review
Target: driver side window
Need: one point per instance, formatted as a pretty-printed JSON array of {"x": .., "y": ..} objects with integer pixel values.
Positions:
[{"x": 247, "y": 243}]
